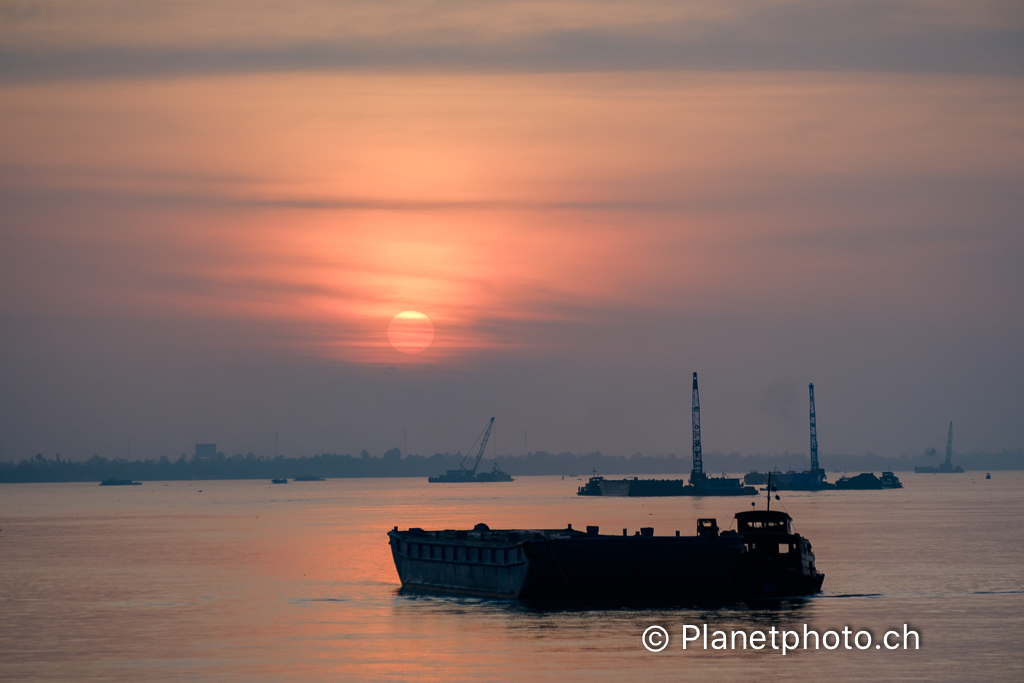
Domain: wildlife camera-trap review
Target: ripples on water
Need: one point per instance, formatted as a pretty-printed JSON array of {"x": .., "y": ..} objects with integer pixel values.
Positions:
[{"x": 250, "y": 581}]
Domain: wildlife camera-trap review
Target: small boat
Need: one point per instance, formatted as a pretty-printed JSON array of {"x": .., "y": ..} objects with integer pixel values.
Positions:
[
  {"x": 120, "y": 482},
  {"x": 496, "y": 474},
  {"x": 862, "y": 482},
  {"x": 278, "y": 481},
  {"x": 988, "y": 475},
  {"x": 890, "y": 480},
  {"x": 308, "y": 477}
]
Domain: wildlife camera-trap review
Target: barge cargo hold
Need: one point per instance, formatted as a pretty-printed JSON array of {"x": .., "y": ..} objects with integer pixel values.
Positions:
[
  {"x": 638, "y": 488},
  {"x": 762, "y": 559}
]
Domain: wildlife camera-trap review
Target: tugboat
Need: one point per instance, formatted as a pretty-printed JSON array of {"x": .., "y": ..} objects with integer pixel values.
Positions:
[
  {"x": 763, "y": 558},
  {"x": 120, "y": 482},
  {"x": 890, "y": 480},
  {"x": 278, "y": 481}
]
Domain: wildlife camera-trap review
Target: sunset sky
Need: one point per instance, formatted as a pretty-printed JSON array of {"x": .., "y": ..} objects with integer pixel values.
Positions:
[{"x": 210, "y": 213}]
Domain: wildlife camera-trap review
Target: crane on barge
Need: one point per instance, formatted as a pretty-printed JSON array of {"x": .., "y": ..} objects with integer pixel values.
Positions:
[
  {"x": 464, "y": 475},
  {"x": 946, "y": 467},
  {"x": 480, "y": 454},
  {"x": 697, "y": 475},
  {"x": 814, "y": 437}
]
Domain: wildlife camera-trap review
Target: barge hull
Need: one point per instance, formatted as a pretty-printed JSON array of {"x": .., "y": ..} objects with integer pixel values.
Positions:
[{"x": 574, "y": 566}]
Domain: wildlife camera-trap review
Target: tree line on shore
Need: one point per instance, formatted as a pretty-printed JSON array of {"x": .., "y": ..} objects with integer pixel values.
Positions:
[{"x": 393, "y": 464}]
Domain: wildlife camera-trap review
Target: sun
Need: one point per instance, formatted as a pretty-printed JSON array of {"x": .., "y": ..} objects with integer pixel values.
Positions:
[{"x": 410, "y": 332}]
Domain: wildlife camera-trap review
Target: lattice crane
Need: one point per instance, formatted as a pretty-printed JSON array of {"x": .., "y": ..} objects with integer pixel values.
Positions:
[
  {"x": 698, "y": 461},
  {"x": 814, "y": 435}
]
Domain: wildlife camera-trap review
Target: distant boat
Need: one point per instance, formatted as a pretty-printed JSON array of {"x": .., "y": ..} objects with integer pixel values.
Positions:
[
  {"x": 496, "y": 474},
  {"x": 862, "y": 482},
  {"x": 700, "y": 483},
  {"x": 464, "y": 475},
  {"x": 813, "y": 479},
  {"x": 636, "y": 487},
  {"x": 120, "y": 482},
  {"x": 890, "y": 480},
  {"x": 308, "y": 477},
  {"x": 988, "y": 475},
  {"x": 278, "y": 481},
  {"x": 809, "y": 480},
  {"x": 755, "y": 478},
  {"x": 945, "y": 467}
]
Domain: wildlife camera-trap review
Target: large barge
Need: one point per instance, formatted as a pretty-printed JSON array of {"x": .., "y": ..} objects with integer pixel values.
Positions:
[
  {"x": 762, "y": 558},
  {"x": 700, "y": 483},
  {"x": 636, "y": 487},
  {"x": 815, "y": 479}
]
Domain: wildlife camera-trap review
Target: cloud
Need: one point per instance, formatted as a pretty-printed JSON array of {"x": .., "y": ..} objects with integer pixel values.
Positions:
[{"x": 119, "y": 40}]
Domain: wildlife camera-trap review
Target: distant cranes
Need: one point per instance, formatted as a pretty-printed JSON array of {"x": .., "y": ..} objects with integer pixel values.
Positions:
[
  {"x": 697, "y": 474},
  {"x": 949, "y": 447},
  {"x": 480, "y": 454},
  {"x": 462, "y": 474},
  {"x": 814, "y": 435}
]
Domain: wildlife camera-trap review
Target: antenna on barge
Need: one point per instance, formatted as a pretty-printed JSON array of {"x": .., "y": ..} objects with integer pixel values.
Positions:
[{"x": 697, "y": 474}]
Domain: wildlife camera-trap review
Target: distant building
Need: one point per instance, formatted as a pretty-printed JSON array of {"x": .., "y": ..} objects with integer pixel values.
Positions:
[{"x": 206, "y": 450}]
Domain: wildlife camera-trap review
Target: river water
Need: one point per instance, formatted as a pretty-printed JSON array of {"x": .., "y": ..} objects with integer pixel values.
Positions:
[{"x": 244, "y": 580}]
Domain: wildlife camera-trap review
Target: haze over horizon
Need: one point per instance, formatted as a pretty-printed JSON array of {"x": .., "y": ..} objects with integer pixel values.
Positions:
[{"x": 210, "y": 213}]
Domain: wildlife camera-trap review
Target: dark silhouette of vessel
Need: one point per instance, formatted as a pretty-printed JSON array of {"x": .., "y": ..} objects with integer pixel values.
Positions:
[
  {"x": 890, "y": 480},
  {"x": 868, "y": 481},
  {"x": 636, "y": 487},
  {"x": 278, "y": 481},
  {"x": 308, "y": 477},
  {"x": 808, "y": 480},
  {"x": 813, "y": 479},
  {"x": 465, "y": 475},
  {"x": 700, "y": 483},
  {"x": 755, "y": 478},
  {"x": 763, "y": 558},
  {"x": 120, "y": 482},
  {"x": 496, "y": 474}
]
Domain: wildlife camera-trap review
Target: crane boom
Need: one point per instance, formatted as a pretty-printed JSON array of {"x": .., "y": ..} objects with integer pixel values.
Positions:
[
  {"x": 483, "y": 445},
  {"x": 698, "y": 461},
  {"x": 949, "y": 445},
  {"x": 814, "y": 435}
]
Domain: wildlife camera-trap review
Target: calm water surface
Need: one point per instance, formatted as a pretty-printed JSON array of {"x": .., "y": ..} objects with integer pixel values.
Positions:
[{"x": 243, "y": 580}]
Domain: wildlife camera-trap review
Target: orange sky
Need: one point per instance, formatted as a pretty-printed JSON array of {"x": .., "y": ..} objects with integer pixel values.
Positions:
[{"x": 530, "y": 212}]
